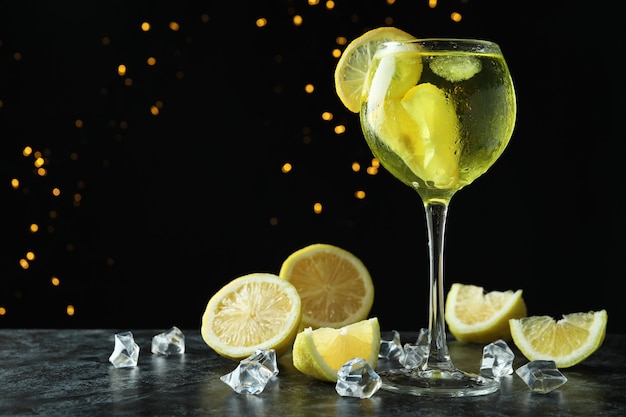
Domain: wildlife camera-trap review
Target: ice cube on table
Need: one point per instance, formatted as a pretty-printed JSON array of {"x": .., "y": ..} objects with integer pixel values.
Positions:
[
  {"x": 356, "y": 378},
  {"x": 170, "y": 342},
  {"x": 541, "y": 376},
  {"x": 415, "y": 355},
  {"x": 253, "y": 373},
  {"x": 391, "y": 348},
  {"x": 497, "y": 360},
  {"x": 126, "y": 351}
]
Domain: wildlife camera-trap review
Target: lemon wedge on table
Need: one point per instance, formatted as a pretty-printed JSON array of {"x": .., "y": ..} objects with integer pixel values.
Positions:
[
  {"x": 476, "y": 316},
  {"x": 321, "y": 352},
  {"x": 255, "y": 311},
  {"x": 355, "y": 61},
  {"x": 567, "y": 341},
  {"x": 334, "y": 285}
]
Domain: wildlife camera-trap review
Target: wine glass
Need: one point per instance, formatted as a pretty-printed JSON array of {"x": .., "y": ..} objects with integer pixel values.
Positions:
[{"x": 438, "y": 113}]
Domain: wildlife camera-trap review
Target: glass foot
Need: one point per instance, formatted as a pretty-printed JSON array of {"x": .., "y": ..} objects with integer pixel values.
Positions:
[{"x": 437, "y": 383}]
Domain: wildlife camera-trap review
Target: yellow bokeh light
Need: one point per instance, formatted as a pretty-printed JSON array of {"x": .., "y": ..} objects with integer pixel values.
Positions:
[
  {"x": 27, "y": 151},
  {"x": 309, "y": 88},
  {"x": 15, "y": 183},
  {"x": 3, "y": 311},
  {"x": 456, "y": 17},
  {"x": 69, "y": 310},
  {"x": 327, "y": 116},
  {"x": 24, "y": 263},
  {"x": 287, "y": 167},
  {"x": 339, "y": 129},
  {"x": 174, "y": 26},
  {"x": 151, "y": 61},
  {"x": 297, "y": 20},
  {"x": 356, "y": 167},
  {"x": 30, "y": 256},
  {"x": 261, "y": 22},
  {"x": 330, "y": 5},
  {"x": 121, "y": 69},
  {"x": 432, "y": 3},
  {"x": 145, "y": 26},
  {"x": 55, "y": 281},
  {"x": 56, "y": 191},
  {"x": 360, "y": 194},
  {"x": 34, "y": 228},
  {"x": 373, "y": 169},
  {"x": 317, "y": 208}
]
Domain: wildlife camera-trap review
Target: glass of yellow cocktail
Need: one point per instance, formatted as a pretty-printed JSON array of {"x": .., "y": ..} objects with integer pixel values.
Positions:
[{"x": 437, "y": 113}]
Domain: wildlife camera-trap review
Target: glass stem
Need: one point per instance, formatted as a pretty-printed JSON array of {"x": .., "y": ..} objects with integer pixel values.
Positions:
[{"x": 438, "y": 357}]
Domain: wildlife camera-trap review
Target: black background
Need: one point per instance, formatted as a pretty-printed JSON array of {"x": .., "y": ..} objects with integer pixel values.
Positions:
[{"x": 158, "y": 212}]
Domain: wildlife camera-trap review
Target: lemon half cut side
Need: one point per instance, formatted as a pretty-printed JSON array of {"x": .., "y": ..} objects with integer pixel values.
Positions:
[
  {"x": 255, "y": 311},
  {"x": 335, "y": 287}
]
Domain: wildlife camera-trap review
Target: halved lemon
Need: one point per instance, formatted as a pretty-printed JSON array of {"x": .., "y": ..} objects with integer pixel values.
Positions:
[
  {"x": 476, "y": 316},
  {"x": 355, "y": 60},
  {"x": 567, "y": 341},
  {"x": 255, "y": 311},
  {"x": 335, "y": 287},
  {"x": 321, "y": 352}
]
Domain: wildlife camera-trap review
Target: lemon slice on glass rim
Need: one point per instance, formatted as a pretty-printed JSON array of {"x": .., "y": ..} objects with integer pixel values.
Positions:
[{"x": 355, "y": 60}]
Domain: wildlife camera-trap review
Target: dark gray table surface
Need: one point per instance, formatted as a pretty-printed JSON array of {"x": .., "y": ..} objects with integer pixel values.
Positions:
[{"x": 48, "y": 372}]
